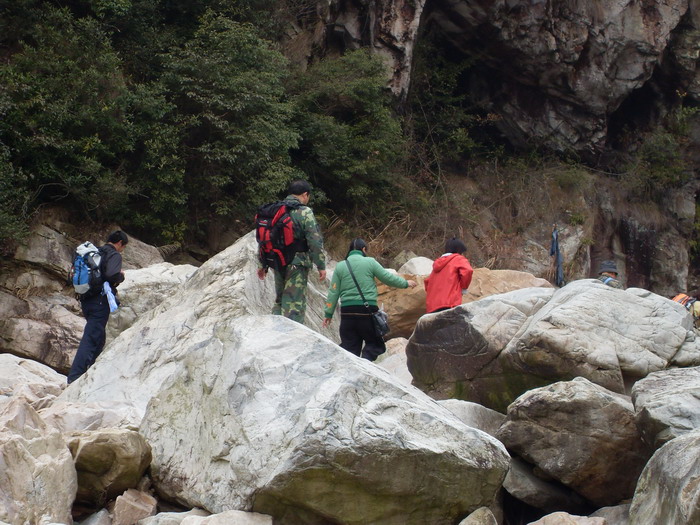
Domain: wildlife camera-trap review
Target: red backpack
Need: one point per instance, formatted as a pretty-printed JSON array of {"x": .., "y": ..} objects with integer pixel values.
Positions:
[{"x": 274, "y": 231}]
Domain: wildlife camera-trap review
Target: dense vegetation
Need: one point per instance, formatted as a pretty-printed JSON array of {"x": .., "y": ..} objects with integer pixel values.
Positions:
[
  {"x": 176, "y": 118},
  {"x": 171, "y": 117}
]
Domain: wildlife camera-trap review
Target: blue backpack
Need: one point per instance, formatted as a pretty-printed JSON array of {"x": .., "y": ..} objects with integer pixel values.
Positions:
[{"x": 85, "y": 274}]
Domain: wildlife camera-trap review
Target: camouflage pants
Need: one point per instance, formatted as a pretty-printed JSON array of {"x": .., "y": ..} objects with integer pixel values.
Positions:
[{"x": 290, "y": 293}]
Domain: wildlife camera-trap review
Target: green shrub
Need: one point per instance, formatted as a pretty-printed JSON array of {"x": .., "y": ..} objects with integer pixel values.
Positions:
[{"x": 350, "y": 139}]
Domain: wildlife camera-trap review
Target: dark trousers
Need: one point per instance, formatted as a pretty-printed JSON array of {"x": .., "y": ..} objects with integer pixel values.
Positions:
[
  {"x": 356, "y": 328},
  {"x": 96, "y": 312}
]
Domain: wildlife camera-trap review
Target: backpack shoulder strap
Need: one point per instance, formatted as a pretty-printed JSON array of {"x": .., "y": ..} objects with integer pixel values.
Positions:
[{"x": 607, "y": 280}]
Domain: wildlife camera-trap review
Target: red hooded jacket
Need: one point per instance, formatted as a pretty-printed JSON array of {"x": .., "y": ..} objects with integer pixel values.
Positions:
[{"x": 443, "y": 288}]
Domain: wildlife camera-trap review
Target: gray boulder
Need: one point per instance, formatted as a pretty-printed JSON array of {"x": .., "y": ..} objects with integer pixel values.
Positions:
[
  {"x": 668, "y": 491},
  {"x": 667, "y": 404},
  {"x": 580, "y": 434}
]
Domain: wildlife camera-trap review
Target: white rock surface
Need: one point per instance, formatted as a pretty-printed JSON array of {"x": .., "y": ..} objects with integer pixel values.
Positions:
[
  {"x": 23, "y": 378},
  {"x": 38, "y": 481}
]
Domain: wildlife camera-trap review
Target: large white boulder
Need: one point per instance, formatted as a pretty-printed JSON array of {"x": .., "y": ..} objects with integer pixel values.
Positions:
[
  {"x": 257, "y": 412},
  {"x": 142, "y": 290},
  {"x": 37, "y": 384},
  {"x": 268, "y": 416}
]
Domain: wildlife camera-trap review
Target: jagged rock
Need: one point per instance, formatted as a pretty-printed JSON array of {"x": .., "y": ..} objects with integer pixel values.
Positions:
[
  {"x": 570, "y": 64},
  {"x": 668, "y": 491},
  {"x": 417, "y": 266},
  {"x": 482, "y": 516},
  {"x": 249, "y": 412},
  {"x": 667, "y": 404},
  {"x": 45, "y": 329},
  {"x": 47, "y": 248},
  {"x": 389, "y": 26},
  {"x": 171, "y": 518},
  {"x": 475, "y": 415},
  {"x": 144, "y": 289},
  {"x": 133, "y": 506},
  {"x": 75, "y": 417},
  {"x": 580, "y": 434},
  {"x": 237, "y": 517},
  {"x": 108, "y": 462},
  {"x": 562, "y": 518},
  {"x": 617, "y": 515},
  {"x": 547, "y": 495},
  {"x": 22, "y": 378},
  {"x": 37, "y": 479},
  {"x": 492, "y": 350}
]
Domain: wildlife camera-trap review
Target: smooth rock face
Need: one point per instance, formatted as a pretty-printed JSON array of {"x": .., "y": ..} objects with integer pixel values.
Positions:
[
  {"x": 492, "y": 350},
  {"x": 311, "y": 426},
  {"x": 108, "y": 462},
  {"x": 667, "y": 404},
  {"x": 581, "y": 435},
  {"x": 570, "y": 64},
  {"x": 70, "y": 417},
  {"x": 668, "y": 490},
  {"x": 22, "y": 378},
  {"x": 37, "y": 479},
  {"x": 143, "y": 290}
]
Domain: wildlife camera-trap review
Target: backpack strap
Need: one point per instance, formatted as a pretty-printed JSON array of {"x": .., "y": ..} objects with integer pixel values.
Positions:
[{"x": 607, "y": 280}]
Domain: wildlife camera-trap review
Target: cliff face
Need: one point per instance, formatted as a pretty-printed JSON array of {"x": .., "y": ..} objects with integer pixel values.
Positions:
[
  {"x": 568, "y": 76},
  {"x": 555, "y": 72}
]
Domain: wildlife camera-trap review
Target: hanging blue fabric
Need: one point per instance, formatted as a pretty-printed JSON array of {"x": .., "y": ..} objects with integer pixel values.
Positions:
[{"x": 559, "y": 261}]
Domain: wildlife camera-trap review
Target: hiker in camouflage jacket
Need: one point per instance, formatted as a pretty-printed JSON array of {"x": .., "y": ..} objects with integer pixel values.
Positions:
[
  {"x": 290, "y": 286},
  {"x": 608, "y": 275}
]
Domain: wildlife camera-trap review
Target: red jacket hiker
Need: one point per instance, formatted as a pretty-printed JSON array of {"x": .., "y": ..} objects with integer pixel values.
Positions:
[{"x": 451, "y": 274}]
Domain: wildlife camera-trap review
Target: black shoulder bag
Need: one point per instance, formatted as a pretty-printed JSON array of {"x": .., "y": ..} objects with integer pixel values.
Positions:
[{"x": 380, "y": 319}]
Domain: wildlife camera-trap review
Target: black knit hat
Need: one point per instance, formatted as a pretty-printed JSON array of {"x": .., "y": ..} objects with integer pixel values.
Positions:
[{"x": 454, "y": 245}]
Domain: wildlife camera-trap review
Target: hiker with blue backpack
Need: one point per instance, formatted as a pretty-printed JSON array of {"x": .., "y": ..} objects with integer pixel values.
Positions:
[
  {"x": 290, "y": 242},
  {"x": 96, "y": 275},
  {"x": 607, "y": 274}
]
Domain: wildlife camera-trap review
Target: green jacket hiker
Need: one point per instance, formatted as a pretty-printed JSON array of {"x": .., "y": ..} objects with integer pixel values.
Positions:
[{"x": 356, "y": 325}]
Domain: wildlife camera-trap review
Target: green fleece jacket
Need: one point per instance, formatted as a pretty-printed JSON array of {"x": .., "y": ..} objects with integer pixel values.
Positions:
[{"x": 365, "y": 270}]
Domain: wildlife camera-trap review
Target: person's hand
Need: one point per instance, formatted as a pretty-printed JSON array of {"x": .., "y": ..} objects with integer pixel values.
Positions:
[
  {"x": 262, "y": 273},
  {"x": 412, "y": 283},
  {"x": 322, "y": 275},
  {"x": 326, "y": 322}
]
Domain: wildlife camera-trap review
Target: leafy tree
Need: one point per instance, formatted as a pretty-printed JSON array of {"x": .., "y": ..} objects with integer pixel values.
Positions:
[
  {"x": 227, "y": 85},
  {"x": 76, "y": 130},
  {"x": 350, "y": 137}
]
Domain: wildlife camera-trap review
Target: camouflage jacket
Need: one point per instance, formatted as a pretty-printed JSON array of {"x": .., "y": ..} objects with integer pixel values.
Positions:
[
  {"x": 306, "y": 227},
  {"x": 614, "y": 283}
]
